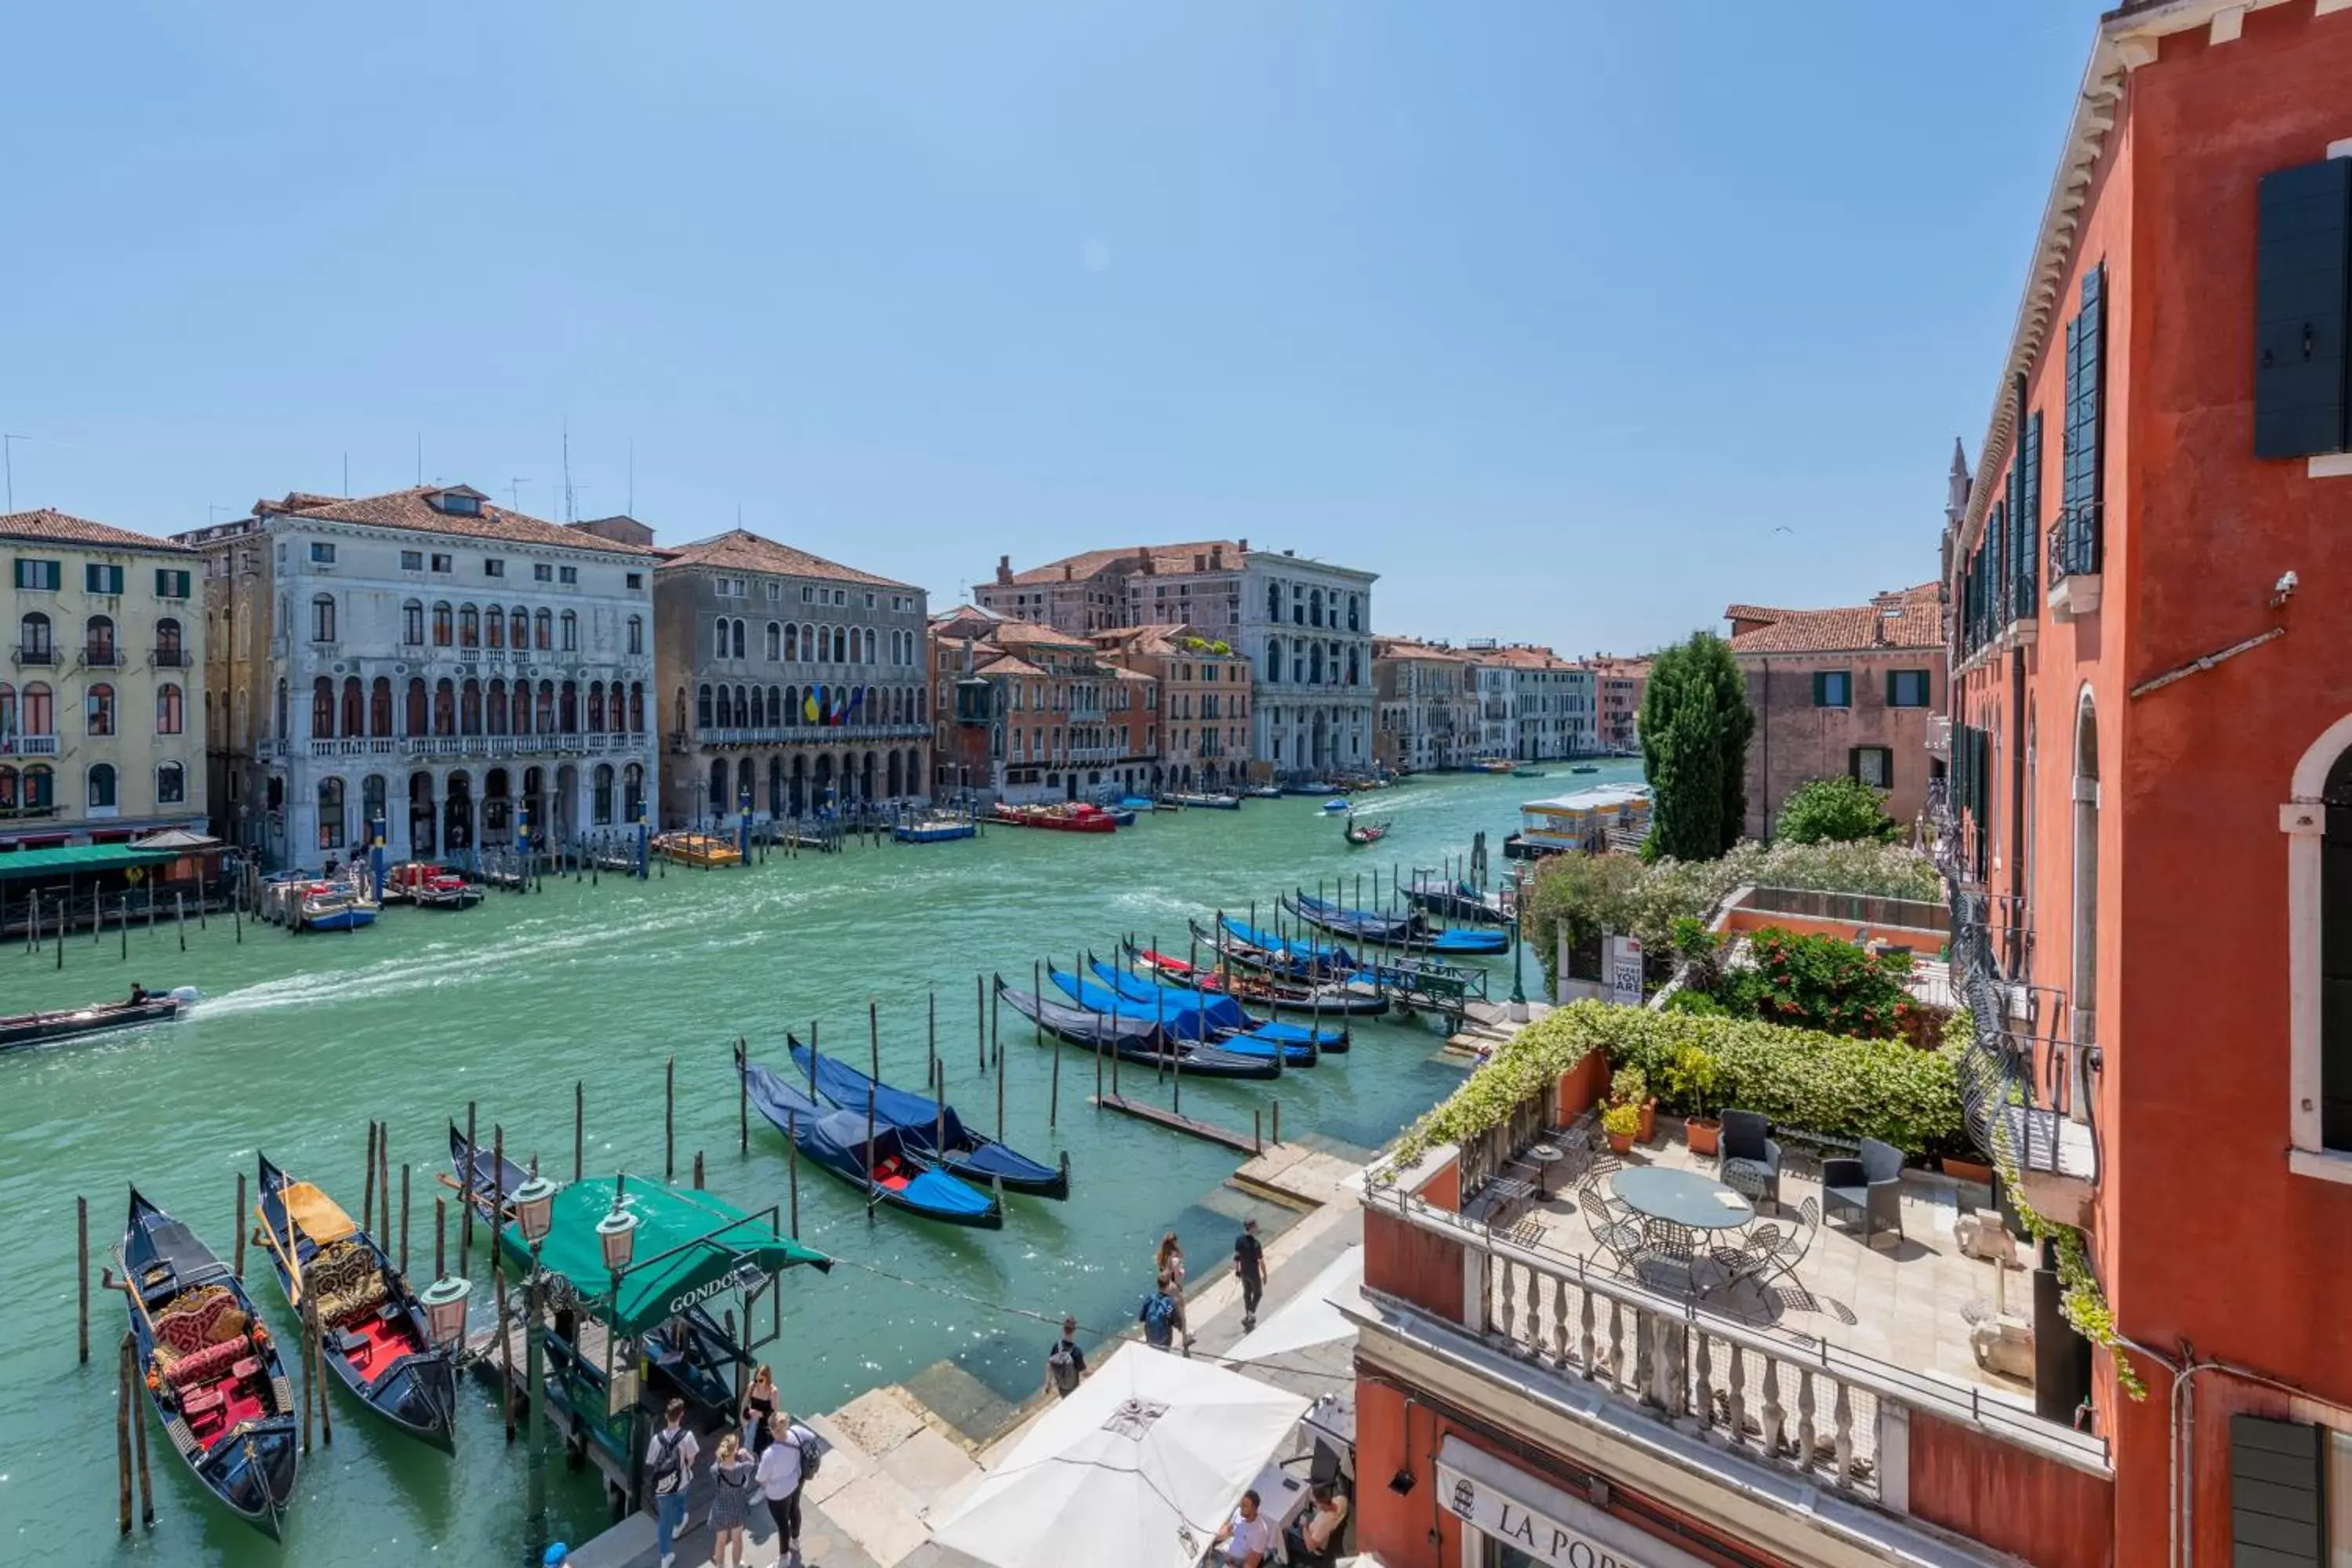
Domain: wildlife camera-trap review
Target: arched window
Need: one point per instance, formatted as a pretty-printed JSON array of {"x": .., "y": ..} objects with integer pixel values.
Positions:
[
  {"x": 735, "y": 631},
  {"x": 595, "y": 707},
  {"x": 419, "y": 718},
  {"x": 322, "y": 618},
  {"x": 354, "y": 706},
  {"x": 600, "y": 796},
  {"x": 496, "y": 714},
  {"x": 717, "y": 786},
  {"x": 702, "y": 719},
  {"x": 7, "y": 788},
  {"x": 841, "y": 644},
  {"x": 98, "y": 706},
  {"x": 636, "y": 634},
  {"x": 542, "y": 631},
  {"x": 547, "y": 707},
  {"x": 571, "y": 631},
  {"x": 322, "y": 709},
  {"x": 522, "y": 707},
  {"x": 40, "y": 787},
  {"x": 568, "y": 710},
  {"x": 171, "y": 784},
  {"x": 759, "y": 708},
  {"x": 9, "y": 711},
  {"x": 775, "y": 707},
  {"x": 330, "y": 814},
  {"x": 469, "y": 708},
  {"x": 100, "y": 783},
  {"x": 380, "y": 708},
  {"x": 775, "y": 641},
  {"x": 869, "y": 645},
  {"x": 494, "y": 627},
  {"x": 1352, "y": 667},
  {"x": 1314, "y": 607},
  {"x": 169, "y": 711},
  {"x": 1273, "y": 602},
  {"x": 1274, "y": 661},
  {"x": 444, "y": 706},
  {"x": 633, "y": 792},
  {"x": 636, "y": 708},
  {"x": 412, "y": 622},
  {"x": 372, "y": 805},
  {"x": 922, "y": 702},
  {"x": 445, "y": 625},
  {"x": 469, "y": 627},
  {"x": 792, "y": 707},
  {"x": 32, "y": 645},
  {"x": 98, "y": 640},
  {"x": 792, "y": 642},
  {"x": 1354, "y": 614},
  {"x": 169, "y": 654},
  {"x": 518, "y": 629}
]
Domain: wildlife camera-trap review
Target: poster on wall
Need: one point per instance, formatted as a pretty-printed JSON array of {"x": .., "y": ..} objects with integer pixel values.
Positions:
[{"x": 1625, "y": 971}]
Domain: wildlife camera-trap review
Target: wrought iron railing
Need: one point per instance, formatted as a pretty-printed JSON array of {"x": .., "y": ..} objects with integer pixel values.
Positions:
[{"x": 2075, "y": 544}]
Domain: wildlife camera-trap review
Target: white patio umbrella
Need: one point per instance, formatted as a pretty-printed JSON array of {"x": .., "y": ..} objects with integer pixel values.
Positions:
[{"x": 1140, "y": 1466}]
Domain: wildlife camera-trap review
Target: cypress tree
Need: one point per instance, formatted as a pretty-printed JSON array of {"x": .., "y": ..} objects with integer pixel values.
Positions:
[{"x": 1696, "y": 722}]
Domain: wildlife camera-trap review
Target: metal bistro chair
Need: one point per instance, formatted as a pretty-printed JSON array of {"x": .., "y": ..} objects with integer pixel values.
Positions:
[
  {"x": 1871, "y": 1186},
  {"x": 1751, "y": 1258},
  {"x": 1617, "y": 1234},
  {"x": 1751, "y": 1160},
  {"x": 1670, "y": 1252},
  {"x": 1789, "y": 1250}
]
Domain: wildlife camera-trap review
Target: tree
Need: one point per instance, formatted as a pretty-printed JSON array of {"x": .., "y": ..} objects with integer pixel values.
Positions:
[
  {"x": 1839, "y": 810},
  {"x": 1696, "y": 722},
  {"x": 1587, "y": 894}
]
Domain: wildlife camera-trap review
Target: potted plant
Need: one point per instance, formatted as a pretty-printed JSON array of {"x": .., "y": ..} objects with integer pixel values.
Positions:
[
  {"x": 1690, "y": 1083},
  {"x": 1962, "y": 1168},
  {"x": 1631, "y": 1086},
  {"x": 1621, "y": 1122}
]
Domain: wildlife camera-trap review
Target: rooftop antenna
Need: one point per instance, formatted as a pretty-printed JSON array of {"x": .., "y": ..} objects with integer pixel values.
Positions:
[
  {"x": 570, "y": 513},
  {"x": 632, "y": 508},
  {"x": 420, "y": 457},
  {"x": 514, "y": 493},
  {"x": 347, "y": 473},
  {"x": 8, "y": 462}
]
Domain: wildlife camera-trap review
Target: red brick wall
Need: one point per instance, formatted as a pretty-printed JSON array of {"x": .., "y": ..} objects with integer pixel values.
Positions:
[{"x": 2012, "y": 1499}]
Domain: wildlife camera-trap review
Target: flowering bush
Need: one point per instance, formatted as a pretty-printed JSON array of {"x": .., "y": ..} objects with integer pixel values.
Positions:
[{"x": 1819, "y": 982}]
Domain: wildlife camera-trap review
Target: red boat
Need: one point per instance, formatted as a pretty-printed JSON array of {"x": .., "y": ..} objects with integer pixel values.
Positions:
[
  {"x": 430, "y": 887},
  {"x": 1073, "y": 816}
]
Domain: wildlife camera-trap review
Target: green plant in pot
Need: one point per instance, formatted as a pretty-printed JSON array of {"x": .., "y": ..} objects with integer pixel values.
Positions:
[
  {"x": 1630, "y": 1087},
  {"x": 1621, "y": 1123},
  {"x": 1690, "y": 1077}
]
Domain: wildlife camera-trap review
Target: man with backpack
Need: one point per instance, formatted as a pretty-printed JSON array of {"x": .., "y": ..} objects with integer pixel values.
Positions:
[
  {"x": 1066, "y": 1363},
  {"x": 669, "y": 1466},
  {"x": 789, "y": 1464},
  {"x": 1158, "y": 1317}
]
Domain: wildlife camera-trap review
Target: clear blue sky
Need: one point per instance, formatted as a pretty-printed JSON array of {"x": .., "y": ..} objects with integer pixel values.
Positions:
[{"x": 1550, "y": 313}]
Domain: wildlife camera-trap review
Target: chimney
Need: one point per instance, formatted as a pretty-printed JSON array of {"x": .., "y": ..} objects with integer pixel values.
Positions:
[
  {"x": 1143, "y": 561},
  {"x": 1005, "y": 569},
  {"x": 1216, "y": 558},
  {"x": 1244, "y": 544},
  {"x": 1069, "y": 572}
]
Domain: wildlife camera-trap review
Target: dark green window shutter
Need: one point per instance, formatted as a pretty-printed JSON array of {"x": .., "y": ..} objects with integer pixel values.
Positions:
[
  {"x": 2278, "y": 1516},
  {"x": 1890, "y": 686},
  {"x": 2027, "y": 520},
  {"x": 2303, "y": 291},
  {"x": 1821, "y": 687}
]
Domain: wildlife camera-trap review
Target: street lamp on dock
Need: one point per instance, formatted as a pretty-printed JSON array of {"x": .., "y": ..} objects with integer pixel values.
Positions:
[{"x": 534, "y": 1203}]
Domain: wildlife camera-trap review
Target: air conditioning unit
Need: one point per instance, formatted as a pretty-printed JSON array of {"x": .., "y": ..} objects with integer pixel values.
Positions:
[{"x": 342, "y": 670}]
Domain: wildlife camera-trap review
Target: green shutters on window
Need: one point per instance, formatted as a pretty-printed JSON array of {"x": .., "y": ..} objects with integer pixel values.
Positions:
[
  {"x": 98, "y": 579},
  {"x": 2027, "y": 521},
  {"x": 42, "y": 574},
  {"x": 1833, "y": 688},
  {"x": 171, "y": 584},
  {"x": 2082, "y": 473},
  {"x": 1874, "y": 766},
  {"x": 2303, "y": 265},
  {"x": 1907, "y": 688},
  {"x": 2278, "y": 1515}
]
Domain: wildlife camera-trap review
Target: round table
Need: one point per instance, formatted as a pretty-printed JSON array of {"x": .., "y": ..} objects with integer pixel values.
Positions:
[
  {"x": 1683, "y": 1197},
  {"x": 1543, "y": 1157}
]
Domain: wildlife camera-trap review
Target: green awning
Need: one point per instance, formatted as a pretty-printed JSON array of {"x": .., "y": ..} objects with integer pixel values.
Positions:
[
  {"x": 691, "y": 1247},
  {"x": 77, "y": 859}
]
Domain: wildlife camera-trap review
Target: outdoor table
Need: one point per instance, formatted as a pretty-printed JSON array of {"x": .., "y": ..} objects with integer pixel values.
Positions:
[
  {"x": 1683, "y": 1197},
  {"x": 1543, "y": 1157}
]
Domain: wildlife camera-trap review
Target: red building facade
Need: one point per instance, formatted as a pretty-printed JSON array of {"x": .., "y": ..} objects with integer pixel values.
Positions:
[{"x": 2151, "y": 747}]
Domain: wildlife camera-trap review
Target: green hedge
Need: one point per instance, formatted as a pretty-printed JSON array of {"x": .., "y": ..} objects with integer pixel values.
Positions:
[{"x": 1822, "y": 1083}]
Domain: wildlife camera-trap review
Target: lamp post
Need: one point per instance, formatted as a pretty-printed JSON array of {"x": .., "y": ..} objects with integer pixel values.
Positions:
[
  {"x": 444, "y": 1310},
  {"x": 616, "y": 1234},
  {"x": 1519, "y": 974},
  {"x": 534, "y": 1203}
]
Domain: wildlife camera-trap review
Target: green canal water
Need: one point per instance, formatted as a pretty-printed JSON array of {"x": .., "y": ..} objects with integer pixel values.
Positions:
[{"x": 299, "y": 1041}]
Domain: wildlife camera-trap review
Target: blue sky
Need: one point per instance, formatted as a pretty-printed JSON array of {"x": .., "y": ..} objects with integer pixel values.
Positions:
[{"x": 1555, "y": 314}]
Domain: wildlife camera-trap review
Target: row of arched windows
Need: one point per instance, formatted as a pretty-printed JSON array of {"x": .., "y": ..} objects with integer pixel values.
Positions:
[
  {"x": 33, "y": 711},
  {"x": 798, "y": 643},
  {"x": 474, "y": 625},
  {"x": 796, "y": 785},
  {"x": 470, "y": 707},
  {"x": 1311, "y": 662},
  {"x": 724, "y": 707},
  {"x": 34, "y": 788},
  {"x": 37, "y": 643},
  {"x": 1314, "y": 607}
]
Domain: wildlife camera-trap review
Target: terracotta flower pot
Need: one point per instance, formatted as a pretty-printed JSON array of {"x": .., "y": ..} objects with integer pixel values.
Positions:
[
  {"x": 1621, "y": 1143},
  {"x": 1961, "y": 1170},
  {"x": 1649, "y": 1121},
  {"x": 1704, "y": 1133}
]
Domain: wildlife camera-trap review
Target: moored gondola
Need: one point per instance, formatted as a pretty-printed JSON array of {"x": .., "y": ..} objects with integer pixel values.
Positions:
[
  {"x": 1224, "y": 1012},
  {"x": 485, "y": 1177},
  {"x": 872, "y": 1156},
  {"x": 1183, "y": 1018},
  {"x": 211, "y": 1370},
  {"x": 373, "y": 1328},
  {"x": 1132, "y": 1039},
  {"x": 1330, "y": 998},
  {"x": 933, "y": 1131}
]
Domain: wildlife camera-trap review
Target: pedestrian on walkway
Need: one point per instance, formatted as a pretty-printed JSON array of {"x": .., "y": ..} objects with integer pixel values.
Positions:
[
  {"x": 759, "y": 1404},
  {"x": 1159, "y": 1316},
  {"x": 730, "y": 1501},
  {"x": 669, "y": 1466},
  {"x": 1249, "y": 1265},
  {"x": 783, "y": 1473},
  {"x": 1246, "y": 1540},
  {"x": 1171, "y": 1260},
  {"x": 1066, "y": 1363}
]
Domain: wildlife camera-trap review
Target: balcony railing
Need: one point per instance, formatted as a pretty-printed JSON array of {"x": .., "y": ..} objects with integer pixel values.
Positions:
[
  {"x": 2076, "y": 549},
  {"x": 1939, "y": 738},
  {"x": 35, "y": 653},
  {"x": 29, "y": 746},
  {"x": 99, "y": 658},
  {"x": 168, "y": 659}
]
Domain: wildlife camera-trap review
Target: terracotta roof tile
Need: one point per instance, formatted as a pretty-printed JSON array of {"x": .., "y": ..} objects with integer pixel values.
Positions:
[
  {"x": 1756, "y": 613},
  {"x": 1173, "y": 560},
  {"x": 51, "y": 526},
  {"x": 740, "y": 550},
  {"x": 1911, "y": 618},
  {"x": 411, "y": 510}
]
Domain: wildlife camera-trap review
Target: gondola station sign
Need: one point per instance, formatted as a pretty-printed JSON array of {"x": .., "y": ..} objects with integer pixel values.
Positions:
[
  {"x": 1505, "y": 1503},
  {"x": 1625, "y": 971}
]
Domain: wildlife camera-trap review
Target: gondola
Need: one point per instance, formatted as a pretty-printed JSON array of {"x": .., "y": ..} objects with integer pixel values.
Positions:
[
  {"x": 211, "y": 1370},
  {"x": 26, "y": 1029},
  {"x": 372, "y": 1323},
  {"x": 1331, "y": 999},
  {"x": 485, "y": 1177},
  {"x": 884, "y": 1168},
  {"x": 932, "y": 1130},
  {"x": 1455, "y": 900},
  {"x": 1293, "y": 960},
  {"x": 1182, "y": 1020},
  {"x": 1409, "y": 930},
  {"x": 1224, "y": 1012},
  {"x": 1127, "y": 1038},
  {"x": 1360, "y": 833}
]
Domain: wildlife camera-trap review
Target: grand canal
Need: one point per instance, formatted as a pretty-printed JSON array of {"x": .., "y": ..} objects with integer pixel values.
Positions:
[{"x": 300, "y": 1042}]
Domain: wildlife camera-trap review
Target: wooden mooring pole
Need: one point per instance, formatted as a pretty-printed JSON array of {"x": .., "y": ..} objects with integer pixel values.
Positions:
[
  {"x": 465, "y": 1193},
  {"x": 81, "y": 1256},
  {"x": 669, "y": 1120},
  {"x": 404, "y": 1217},
  {"x": 243, "y": 1225},
  {"x": 122, "y": 1401},
  {"x": 792, "y": 1167},
  {"x": 139, "y": 1433},
  {"x": 579, "y": 1123},
  {"x": 980, "y": 1019},
  {"x": 440, "y": 1236},
  {"x": 367, "y": 1196},
  {"x": 743, "y": 1093}
]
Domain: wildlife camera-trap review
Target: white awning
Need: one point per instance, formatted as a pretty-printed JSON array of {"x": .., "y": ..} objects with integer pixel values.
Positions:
[
  {"x": 1501, "y": 1501},
  {"x": 1313, "y": 1317}
]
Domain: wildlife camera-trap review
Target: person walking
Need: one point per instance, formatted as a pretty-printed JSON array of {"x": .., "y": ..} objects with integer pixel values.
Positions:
[
  {"x": 730, "y": 1501},
  {"x": 1159, "y": 1316},
  {"x": 759, "y": 1404},
  {"x": 1066, "y": 1363},
  {"x": 669, "y": 1466},
  {"x": 782, "y": 1474},
  {"x": 1249, "y": 1266},
  {"x": 1170, "y": 1258},
  {"x": 1246, "y": 1540}
]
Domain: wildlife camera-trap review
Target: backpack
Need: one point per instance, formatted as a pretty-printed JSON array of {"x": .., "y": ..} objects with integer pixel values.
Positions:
[
  {"x": 1064, "y": 1367},
  {"x": 1159, "y": 1319},
  {"x": 812, "y": 1449},
  {"x": 669, "y": 1473}
]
